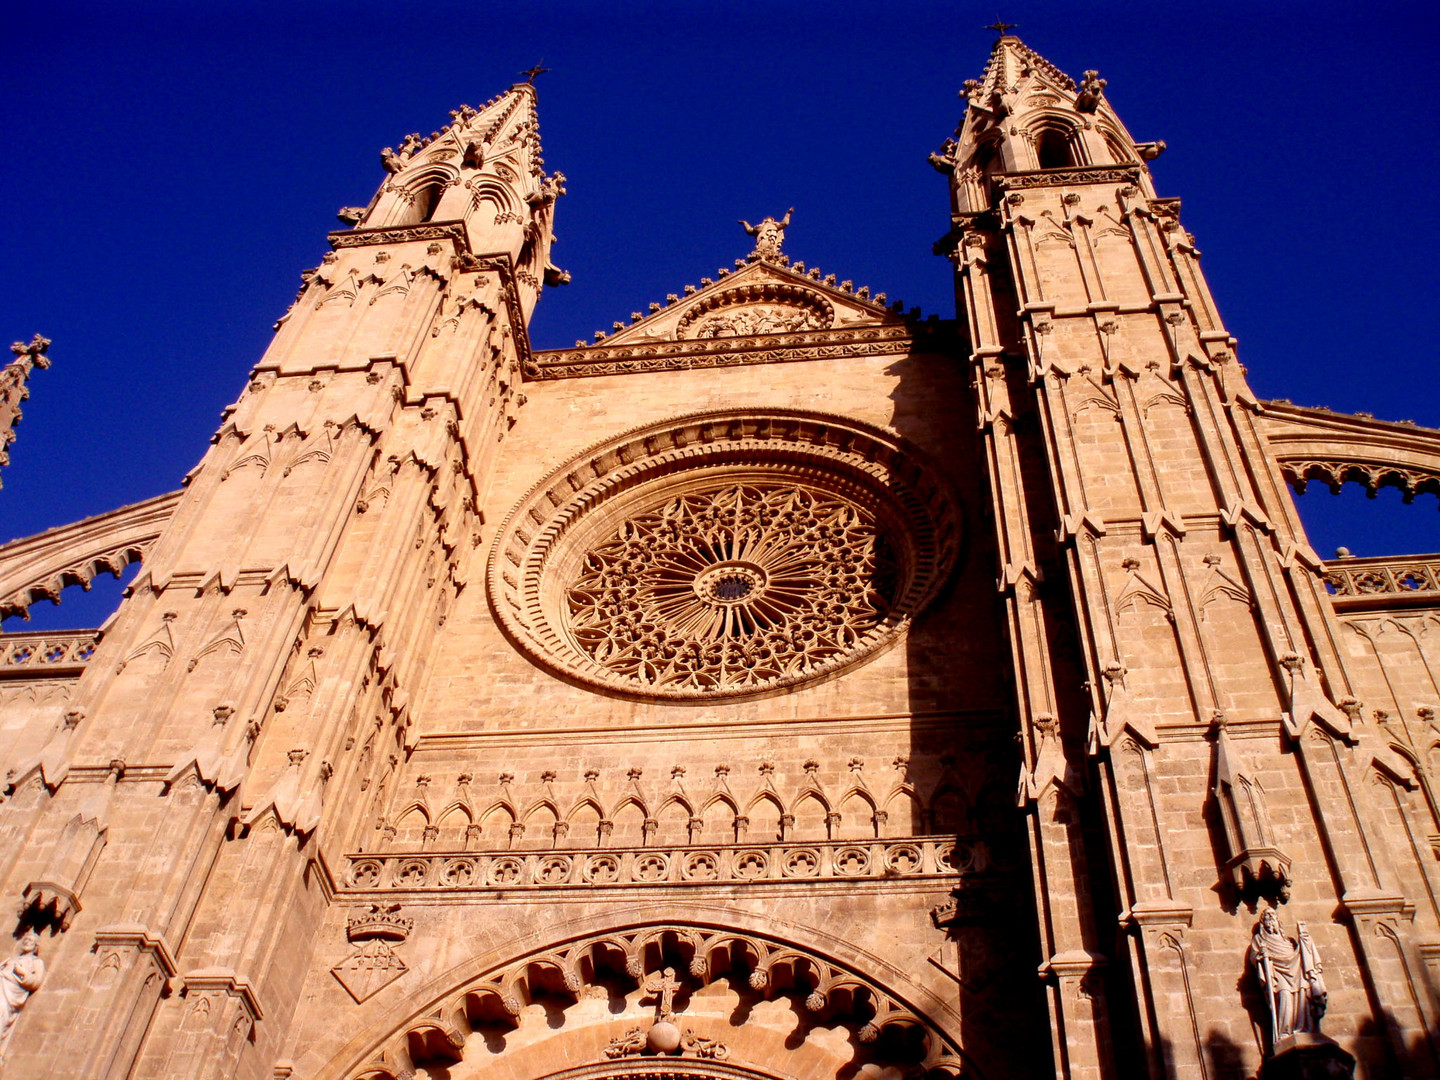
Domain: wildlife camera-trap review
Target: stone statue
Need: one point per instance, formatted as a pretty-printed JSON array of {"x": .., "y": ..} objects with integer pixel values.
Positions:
[
  {"x": 769, "y": 234},
  {"x": 1289, "y": 971},
  {"x": 20, "y": 976}
]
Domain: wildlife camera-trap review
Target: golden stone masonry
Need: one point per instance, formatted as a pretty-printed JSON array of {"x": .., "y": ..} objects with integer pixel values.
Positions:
[{"x": 780, "y": 686}]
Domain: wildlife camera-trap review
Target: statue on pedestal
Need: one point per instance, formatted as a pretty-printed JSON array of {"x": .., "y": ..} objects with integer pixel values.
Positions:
[{"x": 1290, "y": 974}]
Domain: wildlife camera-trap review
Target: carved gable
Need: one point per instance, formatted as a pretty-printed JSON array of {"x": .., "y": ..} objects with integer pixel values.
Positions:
[{"x": 765, "y": 297}]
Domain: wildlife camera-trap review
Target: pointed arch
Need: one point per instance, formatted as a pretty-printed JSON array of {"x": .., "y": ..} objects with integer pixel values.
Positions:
[
  {"x": 811, "y": 811},
  {"x": 904, "y": 814},
  {"x": 454, "y": 823},
  {"x": 673, "y": 821},
  {"x": 628, "y": 823},
  {"x": 584, "y": 821},
  {"x": 947, "y": 811},
  {"x": 888, "y": 1022},
  {"x": 765, "y": 813},
  {"x": 858, "y": 819},
  {"x": 719, "y": 815},
  {"x": 539, "y": 819}
]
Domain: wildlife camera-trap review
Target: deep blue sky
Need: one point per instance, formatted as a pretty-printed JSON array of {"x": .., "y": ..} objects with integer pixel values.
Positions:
[{"x": 174, "y": 167}]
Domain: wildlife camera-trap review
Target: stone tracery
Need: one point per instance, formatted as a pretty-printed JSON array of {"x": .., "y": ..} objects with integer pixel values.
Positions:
[
  {"x": 719, "y": 554},
  {"x": 730, "y": 587}
]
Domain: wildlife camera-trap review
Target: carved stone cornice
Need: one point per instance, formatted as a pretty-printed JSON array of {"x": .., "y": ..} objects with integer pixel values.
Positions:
[
  {"x": 224, "y": 981},
  {"x": 63, "y": 654},
  {"x": 1084, "y": 174},
  {"x": 732, "y": 352},
  {"x": 140, "y": 938}
]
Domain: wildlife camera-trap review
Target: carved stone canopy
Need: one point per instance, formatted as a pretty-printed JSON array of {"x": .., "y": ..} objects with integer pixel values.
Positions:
[{"x": 721, "y": 555}]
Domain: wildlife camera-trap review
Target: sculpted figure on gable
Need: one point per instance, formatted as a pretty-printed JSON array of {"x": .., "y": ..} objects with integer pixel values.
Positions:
[{"x": 769, "y": 234}]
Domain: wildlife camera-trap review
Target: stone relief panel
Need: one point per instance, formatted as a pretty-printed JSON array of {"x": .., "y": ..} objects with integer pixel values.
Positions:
[
  {"x": 721, "y": 555},
  {"x": 767, "y": 307}
]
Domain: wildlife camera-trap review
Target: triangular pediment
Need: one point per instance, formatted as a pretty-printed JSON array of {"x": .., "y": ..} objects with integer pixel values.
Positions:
[{"x": 763, "y": 296}]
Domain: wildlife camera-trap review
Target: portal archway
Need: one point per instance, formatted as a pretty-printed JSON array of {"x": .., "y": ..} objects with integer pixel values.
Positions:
[{"x": 744, "y": 1004}]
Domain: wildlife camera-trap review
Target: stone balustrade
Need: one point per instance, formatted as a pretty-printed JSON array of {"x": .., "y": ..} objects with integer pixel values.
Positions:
[
  {"x": 1382, "y": 581},
  {"x": 917, "y": 857},
  {"x": 62, "y": 652}
]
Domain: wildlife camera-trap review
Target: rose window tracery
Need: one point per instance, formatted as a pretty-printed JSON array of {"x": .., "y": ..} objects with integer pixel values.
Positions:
[
  {"x": 732, "y": 586},
  {"x": 723, "y": 555}
]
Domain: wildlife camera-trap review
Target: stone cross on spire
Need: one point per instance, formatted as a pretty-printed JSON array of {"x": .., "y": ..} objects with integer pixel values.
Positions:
[
  {"x": 13, "y": 389},
  {"x": 769, "y": 235}
]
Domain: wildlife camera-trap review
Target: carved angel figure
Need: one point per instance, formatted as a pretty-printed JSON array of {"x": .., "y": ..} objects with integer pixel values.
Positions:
[
  {"x": 769, "y": 234},
  {"x": 1289, "y": 971},
  {"x": 20, "y": 976}
]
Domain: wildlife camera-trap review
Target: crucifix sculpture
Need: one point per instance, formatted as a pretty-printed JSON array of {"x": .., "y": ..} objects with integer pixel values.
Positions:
[{"x": 663, "y": 987}]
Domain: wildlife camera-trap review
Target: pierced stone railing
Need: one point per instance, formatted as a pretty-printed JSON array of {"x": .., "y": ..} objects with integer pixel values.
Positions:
[
  {"x": 916, "y": 857},
  {"x": 63, "y": 652},
  {"x": 1384, "y": 581}
]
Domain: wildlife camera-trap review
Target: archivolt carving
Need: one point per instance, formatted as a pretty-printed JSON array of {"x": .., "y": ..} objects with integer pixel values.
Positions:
[
  {"x": 885, "y": 1028},
  {"x": 721, "y": 555},
  {"x": 39, "y": 567}
]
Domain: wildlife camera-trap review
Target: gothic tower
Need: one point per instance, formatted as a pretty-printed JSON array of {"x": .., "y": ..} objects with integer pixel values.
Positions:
[{"x": 655, "y": 708}]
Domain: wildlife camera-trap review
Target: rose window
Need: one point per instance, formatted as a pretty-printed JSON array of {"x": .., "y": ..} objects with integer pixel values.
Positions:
[
  {"x": 731, "y": 587},
  {"x": 722, "y": 555}
]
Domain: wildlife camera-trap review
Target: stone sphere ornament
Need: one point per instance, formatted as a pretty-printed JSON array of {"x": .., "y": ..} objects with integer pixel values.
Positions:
[{"x": 663, "y": 1037}]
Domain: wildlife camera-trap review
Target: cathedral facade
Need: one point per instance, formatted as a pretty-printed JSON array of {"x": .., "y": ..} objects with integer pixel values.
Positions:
[{"x": 779, "y": 686}]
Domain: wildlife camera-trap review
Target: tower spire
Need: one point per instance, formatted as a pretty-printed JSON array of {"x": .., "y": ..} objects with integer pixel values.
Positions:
[
  {"x": 13, "y": 388},
  {"x": 483, "y": 174},
  {"x": 1024, "y": 114}
]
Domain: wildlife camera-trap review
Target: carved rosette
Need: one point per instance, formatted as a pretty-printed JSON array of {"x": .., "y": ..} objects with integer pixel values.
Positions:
[{"x": 721, "y": 555}]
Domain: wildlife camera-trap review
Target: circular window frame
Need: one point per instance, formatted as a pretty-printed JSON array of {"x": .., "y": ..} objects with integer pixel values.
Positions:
[{"x": 535, "y": 550}]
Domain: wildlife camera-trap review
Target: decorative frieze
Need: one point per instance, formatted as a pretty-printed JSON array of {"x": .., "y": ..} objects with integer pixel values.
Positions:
[
  {"x": 1093, "y": 174},
  {"x": 736, "y": 351},
  {"x": 774, "y": 864},
  {"x": 451, "y": 230}
]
